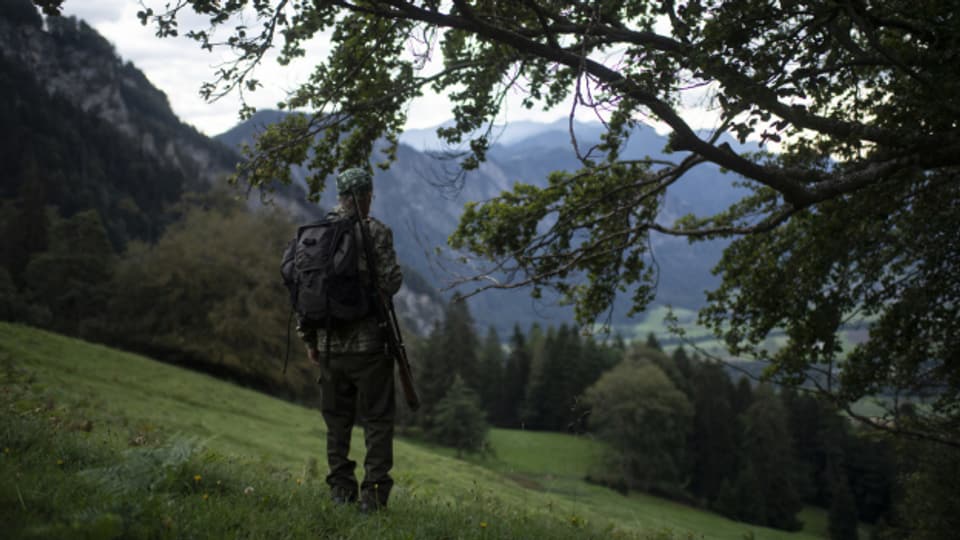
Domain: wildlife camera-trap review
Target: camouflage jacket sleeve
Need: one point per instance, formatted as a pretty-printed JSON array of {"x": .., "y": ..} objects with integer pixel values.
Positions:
[
  {"x": 389, "y": 276},
  {"x": 286, "y": 263}
]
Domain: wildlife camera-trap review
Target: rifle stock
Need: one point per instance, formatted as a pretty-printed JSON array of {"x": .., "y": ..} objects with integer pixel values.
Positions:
[
  {"x": 387, "y": 318},
  {"x": 399, "y": 352}
]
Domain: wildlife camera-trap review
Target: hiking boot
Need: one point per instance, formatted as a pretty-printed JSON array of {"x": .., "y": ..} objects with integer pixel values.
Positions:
[
  {"x": 369, "y": 504},
  {"x": 342, "y": 495}
]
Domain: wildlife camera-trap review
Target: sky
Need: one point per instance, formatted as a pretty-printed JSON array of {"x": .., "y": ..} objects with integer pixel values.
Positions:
[{"x": 178, "y": 66}]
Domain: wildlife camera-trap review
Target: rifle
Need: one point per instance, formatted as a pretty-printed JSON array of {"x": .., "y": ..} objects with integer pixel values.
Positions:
[{"x": 387, "y": 318}]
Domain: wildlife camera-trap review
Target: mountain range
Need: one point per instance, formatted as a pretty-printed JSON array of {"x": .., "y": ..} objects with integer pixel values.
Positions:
[
  {"x": 421, "y": 198},
  {"x": 415, "y": 196}
]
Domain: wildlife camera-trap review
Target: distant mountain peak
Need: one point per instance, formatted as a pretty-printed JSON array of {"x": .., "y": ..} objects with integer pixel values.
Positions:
[
  {"x": 71, "y": 60},
  {"x": 426, "y": 140}
]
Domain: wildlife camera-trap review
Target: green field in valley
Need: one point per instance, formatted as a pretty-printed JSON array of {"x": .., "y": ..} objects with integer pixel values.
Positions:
[
  {"x": 661, "y": 321},
  {"x": 99, "y": 443}
]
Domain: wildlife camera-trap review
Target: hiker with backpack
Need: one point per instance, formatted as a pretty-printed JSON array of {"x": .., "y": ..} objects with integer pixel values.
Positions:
[{"x": 327, "y": 271}]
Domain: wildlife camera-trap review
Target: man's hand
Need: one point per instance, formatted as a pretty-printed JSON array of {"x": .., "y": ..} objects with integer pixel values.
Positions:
[{"x": 314, "y": 355}]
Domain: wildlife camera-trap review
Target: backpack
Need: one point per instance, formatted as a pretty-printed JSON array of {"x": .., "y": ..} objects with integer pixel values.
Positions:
[{"x": 321, "y": 270}]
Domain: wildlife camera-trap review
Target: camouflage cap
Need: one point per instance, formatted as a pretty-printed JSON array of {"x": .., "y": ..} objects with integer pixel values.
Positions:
[{"x": 355, "y": 180}]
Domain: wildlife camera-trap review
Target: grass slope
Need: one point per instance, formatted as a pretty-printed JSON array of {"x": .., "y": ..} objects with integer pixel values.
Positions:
[{"x": 106, "y": 444}]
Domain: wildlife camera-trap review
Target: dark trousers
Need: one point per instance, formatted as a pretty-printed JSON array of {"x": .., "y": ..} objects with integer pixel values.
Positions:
[{"x": 360, "y": 386}]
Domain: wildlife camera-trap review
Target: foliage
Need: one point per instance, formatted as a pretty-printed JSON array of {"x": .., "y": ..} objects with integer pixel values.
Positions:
[
  {"x": 537, "y": 385},
  {"x": 450, "y": 351},
  {"x": 490, "y": 360},
  {"x": 560, "y": 371},
  {"x": 209, "y": 292},
  {"x": 770, "y": 476},
  {"x": 714, "y": 437},
  {"x": 516, "y": 374},
  {"x": 843, "y": 510},
  {"x": 929, "y": 509},
  {"x": 458, "y": 419},
  {"x": 644, "y": 419},
  {"x": 896, "y": 266},
  {"x": 550, "y": 391},
  {"x": 821, "y": 436},
  {"x": 53, "y": 153},
  {"x": 871, "y": 468},
  {"x": 142, "y": 469},
  {"x": 855, "y": 214},
  {"x": 72, "y": 277}
]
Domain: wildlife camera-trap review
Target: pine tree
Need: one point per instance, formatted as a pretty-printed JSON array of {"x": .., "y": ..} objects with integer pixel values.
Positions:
[
  {"x": 13, "y": 307},
  {"x": 71, "y": 278},
  {"x": 458, "y": 340},
  {"x": 541, "y": 344},
  {"x": 713, "y": 439},
  {"x": 652, "y": 342},
  {"x": 458, "y": 420},
  {"x": 555, "y": 387},
  {"x": 490, "y": 385},
  {"x": 805, "y": 422},
  {"x": 843, "y": 509},
  {"x": 516, "y": 375},
  {"x": 436, "y": 374},
  {"x": 25, "y": 232},
  {"x": 742, "y": 397},
  {"x": 872, "y": 473},
  {"x": 684, "y": 365},
  {"x": 595, "y": 359},
  {"x": 739, "y": 499},
  {"x": 768, "y": 447},
  {"x": 563, "y": 386},
  {"x": 450, "y": 350}
]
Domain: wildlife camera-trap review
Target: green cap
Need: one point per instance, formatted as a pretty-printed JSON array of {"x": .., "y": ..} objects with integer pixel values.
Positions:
[{"x": 355, "y": 180}]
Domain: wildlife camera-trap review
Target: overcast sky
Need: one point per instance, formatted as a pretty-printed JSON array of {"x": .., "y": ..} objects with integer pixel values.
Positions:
[{"x": 178, "y": 66}]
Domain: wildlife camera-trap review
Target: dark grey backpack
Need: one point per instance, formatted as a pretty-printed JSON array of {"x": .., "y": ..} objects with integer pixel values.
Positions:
[{"x": 320, "y": 269}]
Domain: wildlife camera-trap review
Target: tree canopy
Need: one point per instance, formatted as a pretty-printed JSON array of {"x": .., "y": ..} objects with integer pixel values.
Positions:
[
  {"x": 852, "y": 219},
  {"x": 644, "y": 418}
]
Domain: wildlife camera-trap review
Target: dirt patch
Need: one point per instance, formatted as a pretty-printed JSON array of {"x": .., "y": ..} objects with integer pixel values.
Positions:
[{"x": 525, "y": 481}]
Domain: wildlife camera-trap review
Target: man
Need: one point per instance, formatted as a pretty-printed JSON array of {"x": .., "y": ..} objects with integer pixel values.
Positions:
[{"x": 357, "y": 378}]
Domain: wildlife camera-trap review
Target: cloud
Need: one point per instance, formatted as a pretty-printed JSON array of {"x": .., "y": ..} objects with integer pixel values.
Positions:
[
  {"x": 96, "y": 12},
  {"x": 178, "y": 67}
]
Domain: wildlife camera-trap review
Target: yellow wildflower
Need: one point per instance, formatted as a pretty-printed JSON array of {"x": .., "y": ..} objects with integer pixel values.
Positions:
[
  {"x": 206, "y": 496},
  {"x": 197, "y": 478},
  {"x": 483, "y": 524}
]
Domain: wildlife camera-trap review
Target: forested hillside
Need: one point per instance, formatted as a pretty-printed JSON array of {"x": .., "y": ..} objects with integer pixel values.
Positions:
[
  {"x": 117, "y": 224},
  {"x": 675, "y": 424}
]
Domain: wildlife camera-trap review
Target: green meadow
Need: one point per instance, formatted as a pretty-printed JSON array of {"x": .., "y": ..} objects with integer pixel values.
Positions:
[
  {"x": 662, "y": 321},
  {"x": 99, "y": 443}
]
